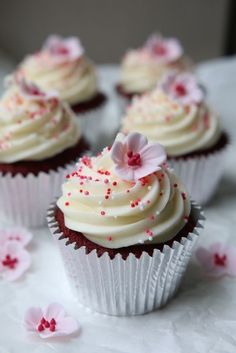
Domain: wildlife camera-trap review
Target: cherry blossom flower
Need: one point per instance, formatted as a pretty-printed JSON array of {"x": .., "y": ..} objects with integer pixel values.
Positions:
[
  {"x": 63, "y": 50},
  {"x": 51, "y": 322},
  {"x": 21, "y": 235},
  {"x": 14, "y": 260},
  {"x": 167, "y": 50},
  {"x": 218, "y": 260},
  {"x": 135, "y": 158},
  {"x": 183, "y": 87}
]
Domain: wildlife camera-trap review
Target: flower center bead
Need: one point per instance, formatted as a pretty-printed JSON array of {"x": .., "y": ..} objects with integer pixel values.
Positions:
[
  {"x": 134, "y": 159},
  {"x": 44, "y": 324},
  {"x": 180, "y": 90},
  {"x": 61, "y": 50},
  {"x": 220, "y": 260},
  {"x": 160, "y": 49},
  {"x": 10, "y": 262}
]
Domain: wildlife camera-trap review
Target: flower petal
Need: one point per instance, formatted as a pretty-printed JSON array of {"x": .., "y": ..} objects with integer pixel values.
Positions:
[
  {"x": 124, "y": 172},
  {"x": 117, "y": 152},
  {"x": 67, "y": 325},
  {"x": 32, "y": 318},
  {"x": 136, "y": 142},
  {"x": 153, "y": 153},
  {"x": 54, "y": 310}
]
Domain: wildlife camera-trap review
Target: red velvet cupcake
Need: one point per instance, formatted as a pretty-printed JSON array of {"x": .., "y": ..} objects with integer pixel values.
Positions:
[
  {"x": 143, "y": 68},
  {"x": 61, "y": 65},
  {"x": 39, "y": 139},
  {"x": 177, "y": 115},
  {"x": 125, "y": 227}
]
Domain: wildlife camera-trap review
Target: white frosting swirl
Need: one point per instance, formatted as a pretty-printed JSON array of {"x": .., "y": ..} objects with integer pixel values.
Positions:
[
  {"x": 75, "y": 81},
  {"x": 115, "y": 213},
  {"x": 179, "y": 128},
  {"x": 140, "y": 71},
  {"x": 34, "y": 129}
]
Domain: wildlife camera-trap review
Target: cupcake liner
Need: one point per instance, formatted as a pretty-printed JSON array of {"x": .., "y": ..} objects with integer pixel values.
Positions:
[
  {"x": 24, "y": 200},
  {"x": 126, "y": 287},
  {"x": 200, "y": 174},
  {"x": 122, "y": 103},
  {"x": 93, "y": 126}
]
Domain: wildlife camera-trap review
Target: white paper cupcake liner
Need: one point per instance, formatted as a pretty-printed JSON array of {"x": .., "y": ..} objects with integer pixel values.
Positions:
[
  {"x": 93, "y": 126},
  {"x": 200, "y": 175},
  {"x": 126, "y": 287},
  {"x": 25, "y": 200}
]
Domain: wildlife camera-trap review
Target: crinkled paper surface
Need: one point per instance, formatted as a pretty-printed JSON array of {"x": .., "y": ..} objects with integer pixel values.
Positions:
[{"x": 202, "y": 318}]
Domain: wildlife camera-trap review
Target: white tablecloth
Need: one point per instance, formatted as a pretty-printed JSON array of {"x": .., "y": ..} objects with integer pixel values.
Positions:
[{"x": 202, "y": 318}]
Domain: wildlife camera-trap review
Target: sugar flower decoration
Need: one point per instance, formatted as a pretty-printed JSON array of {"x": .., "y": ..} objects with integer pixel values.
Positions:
[
  {"x": 218, "y": 260},
  {"x": 33, "y": 92},
  {"x": 135, "y": 158},
  {"x": 14, "y": 260},
  {"x": 182, "y": 87},
  {"x": 64, "y": 50},
  {"x": 51, "y": 322},
  {"x": 20, "y": 235},
  {"x": 166, "y": 50}
]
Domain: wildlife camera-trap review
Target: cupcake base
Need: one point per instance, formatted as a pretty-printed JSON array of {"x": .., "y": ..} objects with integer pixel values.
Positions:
[
  {"x": 27, "y": 188},
  {"x": 125, "y": 285},
  {"x": 201, "y": 171},
  {"x": 123, "y": 98},
  {"x": 90, "y": 104}
]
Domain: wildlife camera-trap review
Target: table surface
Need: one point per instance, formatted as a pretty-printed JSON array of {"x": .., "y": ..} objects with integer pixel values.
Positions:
[{"x": 202, "y": 318}]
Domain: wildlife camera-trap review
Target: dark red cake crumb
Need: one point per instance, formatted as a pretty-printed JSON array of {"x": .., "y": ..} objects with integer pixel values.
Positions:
[
  {"x": 35, "y": 167},
  {"x": 92, "y": 103},
  {"x": 220, "y": 144},
  {"x": 128, "y": 96},
  {"x": 80, "y": 240}
]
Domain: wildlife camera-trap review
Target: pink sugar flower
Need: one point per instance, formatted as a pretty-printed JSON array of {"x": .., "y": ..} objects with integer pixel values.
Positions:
[
  {"x": 135, "y": 158},
  {"x": 14, "y": 260},
  {"x": 219, "y": 260},
  {"x": 182, "y": 87},
  {"x": 167, "y": 50},
  {"x": 64, "y": 50},
  {"x": 51, "y": 322},
  {"x": 21, "y": 235},
  {"x": 33, "y": 92}
]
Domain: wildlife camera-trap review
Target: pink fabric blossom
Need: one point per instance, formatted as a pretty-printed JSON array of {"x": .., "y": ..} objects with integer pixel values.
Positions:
[
  {"x": 218, "y": 260},
  {"x": 135, "y": 158},
  {"x": 51, "y": 322},
  {"x": 33, "y": 92},
  {"x": 14, "y": 260},
  {"x": 166, "y": 50},
  {"x": 21, "y": 235},
  {"x": 183, "y": 87},
  {"x": 64, "y": 50}
]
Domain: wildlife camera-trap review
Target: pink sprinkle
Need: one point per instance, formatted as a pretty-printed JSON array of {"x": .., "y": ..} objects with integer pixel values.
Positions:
[
  {"x": 103, "y": 213},
  {"x": 69, "y": 194},
  {"x": 109, "y": 238},
  {"x": 86, "y": 193},
  {"x": 106, "y": 181}
]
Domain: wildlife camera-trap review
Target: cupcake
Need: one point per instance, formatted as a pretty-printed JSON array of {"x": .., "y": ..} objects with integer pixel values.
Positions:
[
  {"x": 143, "y": 68},
  {"x": 61, "y": 65},
  {"x": 125, "y": 228},
  {"x": 177, "y": 115},
  {"x": 39, "y": 138}
]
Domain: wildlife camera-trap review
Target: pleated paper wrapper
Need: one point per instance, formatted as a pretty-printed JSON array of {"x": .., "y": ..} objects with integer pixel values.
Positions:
[
  {"x": 200, "y": 174},
  {"x": 126, "y": 287},
  {"x": 93, "y": 126},
  {"x": 25, "y": 200}
]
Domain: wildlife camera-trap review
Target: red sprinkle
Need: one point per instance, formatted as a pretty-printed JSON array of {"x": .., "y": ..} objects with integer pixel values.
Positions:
[
  {"x": 67, "y": 203},
  {"x": 103, "y": 213}
]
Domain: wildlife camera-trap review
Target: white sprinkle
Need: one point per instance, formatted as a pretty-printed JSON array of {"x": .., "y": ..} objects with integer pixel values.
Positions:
[
  {"x": 100, "y": 202},
  {"x": 149, "y": 187},
  {"x": 149, "y": 238},
  {"x": 157, "y": 213},
  {"x": 141, "y": 241}
]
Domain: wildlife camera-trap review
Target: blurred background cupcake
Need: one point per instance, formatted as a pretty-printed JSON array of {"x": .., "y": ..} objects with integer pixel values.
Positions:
[
  {"x": 39, "y": 138},
  {"x": 143, "y": 68},
  {"x": 61, "y": 65},
  {"x": 177, "y": 115},
  {"x": 125, "y": 228}
]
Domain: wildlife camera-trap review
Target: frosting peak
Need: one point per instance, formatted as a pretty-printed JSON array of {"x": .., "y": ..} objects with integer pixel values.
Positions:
[
  {"x": 61, "y": 65},
  {"x": 181, "y": 128},
  {"x": 114, "y": 212},
  {"x": 34, "y": 125}
]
